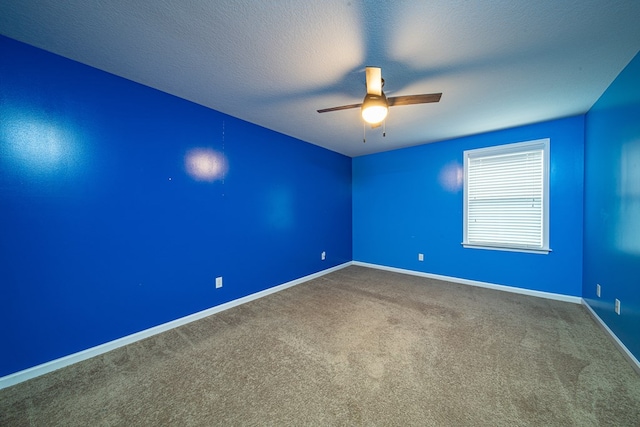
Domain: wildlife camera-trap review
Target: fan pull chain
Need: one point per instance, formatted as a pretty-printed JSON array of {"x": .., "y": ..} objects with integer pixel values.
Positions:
[
  {"x": 384, "y": 128},
  {"x": 364, "y": 132}
]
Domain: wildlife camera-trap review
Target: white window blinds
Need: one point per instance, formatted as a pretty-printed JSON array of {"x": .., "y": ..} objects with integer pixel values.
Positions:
[{"x": 506, "y": 197}]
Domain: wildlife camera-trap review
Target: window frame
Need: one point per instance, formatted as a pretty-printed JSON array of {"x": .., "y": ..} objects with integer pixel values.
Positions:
[{"x": 518, "y": 147}]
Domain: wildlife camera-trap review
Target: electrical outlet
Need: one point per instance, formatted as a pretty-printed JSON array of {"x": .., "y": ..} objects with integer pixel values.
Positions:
[
  {"x": 218, "y": 282},
  {"x": 617, "y": 306},
  {"x": 598, "y": 290},
  {"x": 323, "y": 256},
  {"x": 420, "y": 257}
]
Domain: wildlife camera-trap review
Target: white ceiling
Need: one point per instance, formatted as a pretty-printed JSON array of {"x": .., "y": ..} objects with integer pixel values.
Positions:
[{"x": 498, "y": 63}]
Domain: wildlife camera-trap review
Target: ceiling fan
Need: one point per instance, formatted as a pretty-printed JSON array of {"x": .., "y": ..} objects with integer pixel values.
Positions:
[{"x": 375, "y": 105}]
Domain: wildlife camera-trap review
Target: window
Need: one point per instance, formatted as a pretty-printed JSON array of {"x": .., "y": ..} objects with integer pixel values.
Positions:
[{"x": 506, "y": 197}]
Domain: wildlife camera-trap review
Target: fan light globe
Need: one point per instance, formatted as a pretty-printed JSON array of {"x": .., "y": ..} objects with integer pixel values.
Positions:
[{"x": 374, "y": 108}]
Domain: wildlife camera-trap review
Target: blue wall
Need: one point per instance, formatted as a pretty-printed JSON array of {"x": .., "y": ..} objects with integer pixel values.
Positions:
[
  {"x": 410, "y": 201},
  {"x": 612, "y": 206},
  {"x": 120, "y": 204}
]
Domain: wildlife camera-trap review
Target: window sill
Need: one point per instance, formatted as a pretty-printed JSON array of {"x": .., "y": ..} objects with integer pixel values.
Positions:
[{"x": 508, "y": 249}]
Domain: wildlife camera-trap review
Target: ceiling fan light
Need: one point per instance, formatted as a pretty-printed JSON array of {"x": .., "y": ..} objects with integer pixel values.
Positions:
[{"x": 374, "y": 108}]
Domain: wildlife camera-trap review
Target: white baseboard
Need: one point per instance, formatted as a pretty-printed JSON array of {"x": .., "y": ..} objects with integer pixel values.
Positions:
[
  {"x": 53, "y": 365},
  {"x": 539, "y": 294},
  {"x": 623, "y": 348}
]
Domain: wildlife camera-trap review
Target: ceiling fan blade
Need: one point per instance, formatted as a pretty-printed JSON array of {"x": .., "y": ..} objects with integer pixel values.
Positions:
[
  {"x": 414, "y": 99},
  {"x": 342, "y": 107},
  {"x": 374, "y": 81}
]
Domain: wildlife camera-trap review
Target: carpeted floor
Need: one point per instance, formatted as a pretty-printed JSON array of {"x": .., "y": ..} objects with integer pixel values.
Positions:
[{"x": 355, "y": 347}]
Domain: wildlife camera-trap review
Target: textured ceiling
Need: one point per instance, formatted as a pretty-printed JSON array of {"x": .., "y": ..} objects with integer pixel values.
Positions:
[{"x": 498, "y": 63}]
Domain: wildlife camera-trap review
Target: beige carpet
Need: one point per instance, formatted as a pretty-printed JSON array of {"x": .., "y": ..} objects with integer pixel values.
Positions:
[{"x": 355, "y": 347}]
